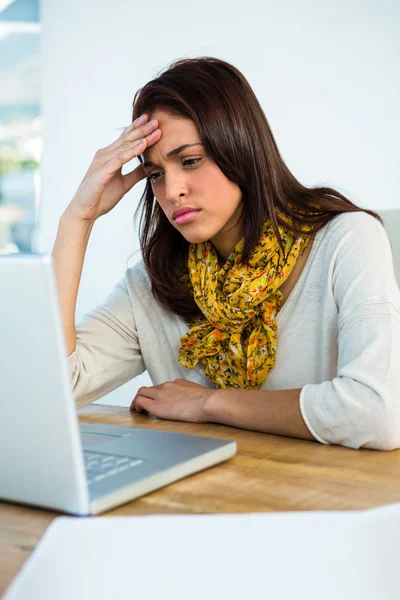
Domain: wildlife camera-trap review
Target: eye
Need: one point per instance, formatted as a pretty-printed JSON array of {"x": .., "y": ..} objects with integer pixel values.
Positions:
[
  {"x": 190, "y": 161},
  {"x": 186, "y": 162},
  {"x": 154, "y": 176}
]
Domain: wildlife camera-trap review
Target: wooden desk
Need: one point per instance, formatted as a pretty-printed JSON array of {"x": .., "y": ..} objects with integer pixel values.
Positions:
[{"x": 269, "y": 473}]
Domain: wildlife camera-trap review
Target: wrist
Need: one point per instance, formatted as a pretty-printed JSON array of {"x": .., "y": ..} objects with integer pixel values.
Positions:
[
  {"x": 212, "y": 404},
  {"x": 74, "y": 217}
]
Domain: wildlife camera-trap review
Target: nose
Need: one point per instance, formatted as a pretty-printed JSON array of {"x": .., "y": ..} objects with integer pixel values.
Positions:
[{"x": 175, "y": 187}]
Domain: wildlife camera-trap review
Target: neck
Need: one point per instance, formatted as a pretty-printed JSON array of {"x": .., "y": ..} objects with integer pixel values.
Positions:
[
  {"x": 224, "y": 248},
  {"x": 226, "y": 239}
]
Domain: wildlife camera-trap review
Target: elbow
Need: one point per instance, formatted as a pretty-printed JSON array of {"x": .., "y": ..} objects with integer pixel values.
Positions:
[
  {"x": 385, "y": 431},
  {"x": 79, "y": 383},
  {"x": 375, "y": 415},
  {"x": 351, "y": 413},
  {"x": 386, "y": 440}
]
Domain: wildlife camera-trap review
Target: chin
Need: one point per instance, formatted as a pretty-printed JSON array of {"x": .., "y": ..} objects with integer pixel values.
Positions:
[
  {"x": 195, "y": 235},
  {"x": 195, "y": 239}
]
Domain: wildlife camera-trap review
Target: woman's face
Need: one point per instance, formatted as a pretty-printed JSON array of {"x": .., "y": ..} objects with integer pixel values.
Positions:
[{"x": 196, "y": 197}]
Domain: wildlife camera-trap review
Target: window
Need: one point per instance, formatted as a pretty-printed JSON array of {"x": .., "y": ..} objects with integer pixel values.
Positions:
[{"x": 20, "y": 124}]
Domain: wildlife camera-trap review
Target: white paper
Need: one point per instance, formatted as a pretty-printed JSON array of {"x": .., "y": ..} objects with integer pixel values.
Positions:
[{"x": 338, "y": 555}]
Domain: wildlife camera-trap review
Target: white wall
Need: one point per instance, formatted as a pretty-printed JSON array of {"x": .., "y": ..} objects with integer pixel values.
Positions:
[{"x": 326, "y": 74}]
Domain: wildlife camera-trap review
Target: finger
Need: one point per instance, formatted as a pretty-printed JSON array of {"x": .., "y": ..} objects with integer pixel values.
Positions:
[
  {"x": 129, "y": 136},
  {"x": 132, "y": 132},
  {"x": 141, "y": 410},
  {"x": 137, "y": 122},
  {"x": 117, "y": 161},
  {"x": 135, "y": 406},
  {"x": 151, "y": 391},
  {"x": 127, "y": 141},
  {"x": 121, "y": 156},
  {"x": 126, "y": 148},
  {"x": 137, "y": 125},
  {"x": 142, "y": 403},
  {"x": 132, "y": 178}
]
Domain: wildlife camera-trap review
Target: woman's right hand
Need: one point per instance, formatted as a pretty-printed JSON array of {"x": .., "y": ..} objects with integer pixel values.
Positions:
[{"x": 104, "y": 185}]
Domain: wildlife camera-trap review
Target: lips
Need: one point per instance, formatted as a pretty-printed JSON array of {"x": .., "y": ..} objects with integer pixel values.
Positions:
[{"x": 183, "y": 211}]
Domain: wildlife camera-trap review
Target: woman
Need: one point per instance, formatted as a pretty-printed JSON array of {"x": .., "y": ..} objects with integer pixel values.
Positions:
[{"x": 259, "y": 303}]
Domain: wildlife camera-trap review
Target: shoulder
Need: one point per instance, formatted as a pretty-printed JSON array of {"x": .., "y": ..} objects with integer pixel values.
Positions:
[
  {"x": 137, "y": 277},
  {"x": 144, "y": 304},
  {"x": 138, "y": 287},
  {"x": 135, "y": 281},
  {"x": 354, "y": 237},
  {"x": 354, "y": 226},
  {"x": 138, "y": 284},
  {"x": 138, "y": 269},
  {"x": 359, "y": 261}
]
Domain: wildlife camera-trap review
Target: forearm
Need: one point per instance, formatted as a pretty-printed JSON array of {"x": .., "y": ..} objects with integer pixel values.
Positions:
[
  {"x": 68, "y": 256},
  {"x": 270, "y": 411}
]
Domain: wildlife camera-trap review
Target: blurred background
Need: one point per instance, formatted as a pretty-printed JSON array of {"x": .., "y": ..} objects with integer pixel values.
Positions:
[
  {"x": 326, "y": 74},
  {"x": 21, "y": 137}
]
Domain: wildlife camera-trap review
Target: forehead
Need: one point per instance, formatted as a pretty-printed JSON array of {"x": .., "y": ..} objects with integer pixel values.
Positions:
[
  {"x": 175, "y": 131},
  {"x": 168, "y": 120}
]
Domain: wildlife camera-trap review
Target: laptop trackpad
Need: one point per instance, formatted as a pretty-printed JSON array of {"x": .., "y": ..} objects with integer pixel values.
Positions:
[{"x": 97, "y": 439}]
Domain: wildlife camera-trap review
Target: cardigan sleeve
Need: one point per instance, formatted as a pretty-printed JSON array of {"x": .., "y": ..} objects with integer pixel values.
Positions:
[
  {"x": 360, "y": 407},
  {"x": 107, "y": 350}
]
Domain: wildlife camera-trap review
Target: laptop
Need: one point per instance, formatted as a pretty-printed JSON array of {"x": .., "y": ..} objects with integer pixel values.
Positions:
[{"x": 48, "y": 458}]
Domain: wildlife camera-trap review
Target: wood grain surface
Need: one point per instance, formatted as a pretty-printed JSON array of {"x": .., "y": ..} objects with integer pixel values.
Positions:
[{"x": 269, "y": 473}]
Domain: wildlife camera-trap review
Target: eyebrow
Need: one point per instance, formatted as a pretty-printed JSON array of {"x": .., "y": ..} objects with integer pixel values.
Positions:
[{"x": 148, "y": 163}]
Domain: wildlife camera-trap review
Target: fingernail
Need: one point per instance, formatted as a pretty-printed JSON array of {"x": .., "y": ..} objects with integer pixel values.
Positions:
[{"x": 140, "y": 119}]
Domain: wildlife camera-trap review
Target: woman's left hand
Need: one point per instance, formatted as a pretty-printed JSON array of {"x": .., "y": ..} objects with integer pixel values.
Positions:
[{"x": 178, "y": 400}]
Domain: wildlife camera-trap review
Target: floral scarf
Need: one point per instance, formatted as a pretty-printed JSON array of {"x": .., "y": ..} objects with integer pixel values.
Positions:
[{"x": 235, "y": 337}]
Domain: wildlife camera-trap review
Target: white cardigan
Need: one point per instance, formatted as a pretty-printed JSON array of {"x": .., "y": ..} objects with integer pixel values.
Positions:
[{"x": 338, "y": 338}]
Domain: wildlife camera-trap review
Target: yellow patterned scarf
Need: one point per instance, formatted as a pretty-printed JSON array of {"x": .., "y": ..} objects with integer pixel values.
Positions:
[{"x": 235, "y": 337}]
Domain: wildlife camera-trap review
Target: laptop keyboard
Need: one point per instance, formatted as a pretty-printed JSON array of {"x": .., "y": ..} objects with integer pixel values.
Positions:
[{"x": 99, "y": 466}]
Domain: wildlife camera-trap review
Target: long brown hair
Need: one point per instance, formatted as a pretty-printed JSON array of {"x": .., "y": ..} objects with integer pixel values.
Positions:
[{"x": 236, "y": 135}]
